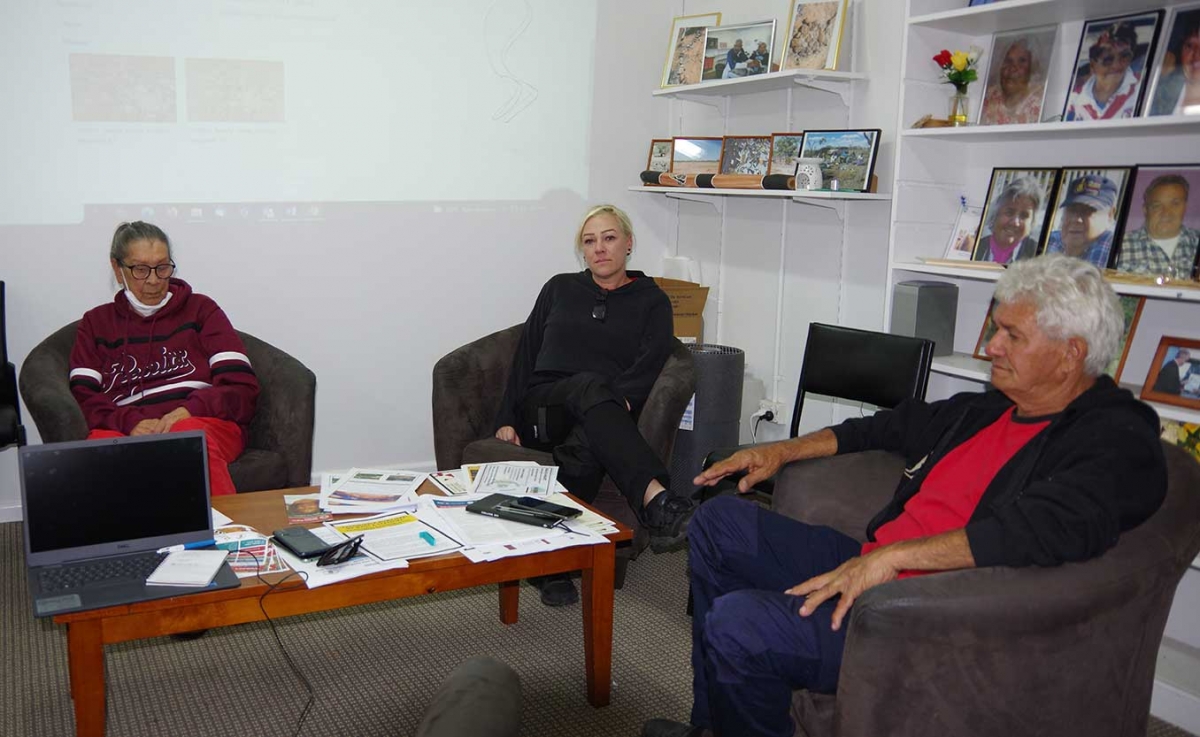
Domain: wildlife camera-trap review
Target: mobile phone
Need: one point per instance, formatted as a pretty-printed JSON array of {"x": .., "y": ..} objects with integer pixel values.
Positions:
[
  {"x": 534, "y": 504},
  {"x": 301, "y": 542}
]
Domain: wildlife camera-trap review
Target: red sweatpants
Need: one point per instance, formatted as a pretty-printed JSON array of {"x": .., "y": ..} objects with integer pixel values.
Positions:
[{"x": 224, "y": 441}]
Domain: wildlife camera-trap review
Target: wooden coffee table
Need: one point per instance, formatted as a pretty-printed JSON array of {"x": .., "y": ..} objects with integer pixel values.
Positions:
[{"x": 88, "y": 632}]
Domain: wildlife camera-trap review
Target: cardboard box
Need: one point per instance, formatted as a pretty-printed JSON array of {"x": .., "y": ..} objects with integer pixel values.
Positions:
[{"x": 687, "y": 305}]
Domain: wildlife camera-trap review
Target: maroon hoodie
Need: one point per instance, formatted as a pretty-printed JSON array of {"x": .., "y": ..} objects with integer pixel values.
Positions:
[{"x": 126, "y": 368}]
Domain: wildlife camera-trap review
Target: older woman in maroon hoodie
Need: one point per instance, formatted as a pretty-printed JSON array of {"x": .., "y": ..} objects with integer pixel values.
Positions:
[{"x": 161, "y": 358}]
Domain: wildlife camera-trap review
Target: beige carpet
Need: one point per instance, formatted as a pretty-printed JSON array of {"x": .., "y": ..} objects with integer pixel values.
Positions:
[{"x": 373, "y": 668}]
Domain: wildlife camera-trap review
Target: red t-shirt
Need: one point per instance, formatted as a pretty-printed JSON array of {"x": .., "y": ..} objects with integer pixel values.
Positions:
[{"x": 953, "y": 488}]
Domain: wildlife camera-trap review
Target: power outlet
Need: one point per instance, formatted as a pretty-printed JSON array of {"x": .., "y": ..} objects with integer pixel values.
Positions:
[{"x": 775, "y": 408}]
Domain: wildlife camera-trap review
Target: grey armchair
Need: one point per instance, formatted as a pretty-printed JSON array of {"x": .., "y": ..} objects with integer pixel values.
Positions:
[
  {"x": 468, "y": 385},
  {"x": 997, "y": 651},
  {"x": 278, "y": 452}
]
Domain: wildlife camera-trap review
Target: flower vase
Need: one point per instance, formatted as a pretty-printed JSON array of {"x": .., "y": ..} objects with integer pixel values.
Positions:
[{"x": 960, "y": 106}]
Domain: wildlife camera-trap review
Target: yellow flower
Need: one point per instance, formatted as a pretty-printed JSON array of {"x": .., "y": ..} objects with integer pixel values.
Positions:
[{"x": 958, "y": 60}]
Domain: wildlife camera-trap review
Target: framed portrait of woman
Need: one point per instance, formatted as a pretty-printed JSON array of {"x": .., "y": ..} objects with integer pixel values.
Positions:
[
  {"x": 1160, "y": 233},
  {"x": 1015, "y": 86},
  {"x": 685, "y": 49},
  {"x": 1108, "y": 77},
  {"x": 1175, "y": 84},
  {"x": 1014, "y": 214}
]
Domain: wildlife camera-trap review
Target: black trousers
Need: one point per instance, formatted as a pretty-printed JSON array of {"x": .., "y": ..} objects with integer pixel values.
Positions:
[{"x": 583, "y": 421}]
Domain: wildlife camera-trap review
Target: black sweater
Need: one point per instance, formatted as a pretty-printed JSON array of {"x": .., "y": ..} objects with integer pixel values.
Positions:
[
  {"x": 561, "y": 338},
  {"x": 1095, "y": 471}
]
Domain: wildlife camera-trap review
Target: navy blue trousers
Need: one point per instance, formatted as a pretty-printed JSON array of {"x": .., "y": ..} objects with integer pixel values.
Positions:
[{"x": 750, "y": 646}]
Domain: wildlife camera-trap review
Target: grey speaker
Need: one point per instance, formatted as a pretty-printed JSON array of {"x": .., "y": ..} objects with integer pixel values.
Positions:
[
  {"x": 926, "y": 309},
  {"x": 716, "y": 413}
]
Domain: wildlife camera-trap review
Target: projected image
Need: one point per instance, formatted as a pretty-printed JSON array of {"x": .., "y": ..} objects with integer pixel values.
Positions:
[
  {"x": 122, "y": 89},
  {"x": 234, "y": 91},
  {"x": 696, "y": 156},
  {"x": 504, "y": 25}
]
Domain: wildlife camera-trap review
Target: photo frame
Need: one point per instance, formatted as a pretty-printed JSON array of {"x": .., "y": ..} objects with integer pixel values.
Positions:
[
  {"x": 847, "y": 156},
  {"x": 1170, "y": 91},
  {"x": 660, "y": 154},
  {"x": 1113, "y": 53},
  {"x": 1014, "y": 214},
  {"x": 1131, "y": 310},
  {"x": 785, "y": 150},
  {"x": 733, "y": 52},
  {"x": 1163, "y": 192},
  {"x": 1174, "y": 375},
  {"x": 963, "y": 235},
  {"x": 1088, "y": 205},
  {"x": 685, "y": 49},
  {"x": 975, "y": 3},
  {"x": 814, "y": 35},
  {"x": 746, "y": 155},
  {"x": 1014, "y": 89},
  {"x": 696, "y": 155}
]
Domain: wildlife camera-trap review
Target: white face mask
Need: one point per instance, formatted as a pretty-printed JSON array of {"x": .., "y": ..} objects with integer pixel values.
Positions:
[{"x": 143, "y": 309}]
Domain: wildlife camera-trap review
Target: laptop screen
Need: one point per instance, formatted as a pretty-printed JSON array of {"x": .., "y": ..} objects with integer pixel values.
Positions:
[{"x": 104, "y": 497}]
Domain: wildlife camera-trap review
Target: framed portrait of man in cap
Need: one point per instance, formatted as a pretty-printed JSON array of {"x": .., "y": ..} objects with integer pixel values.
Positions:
[
  {"x": 1087, "y": 208},
  {"x": 1111, "y": 67}
]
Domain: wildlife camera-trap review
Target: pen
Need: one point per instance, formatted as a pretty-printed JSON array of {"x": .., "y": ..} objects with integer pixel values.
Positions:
[
  {"x": 188, "y": 546},
  {"x": 427, "y": 538}
]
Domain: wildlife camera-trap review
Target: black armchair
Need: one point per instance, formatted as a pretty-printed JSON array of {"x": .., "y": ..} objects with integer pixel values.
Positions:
[
  {"x": 278, "y": 453},
  {"x": 859, "y": 365},
  {"x": 12, "y": 432}
]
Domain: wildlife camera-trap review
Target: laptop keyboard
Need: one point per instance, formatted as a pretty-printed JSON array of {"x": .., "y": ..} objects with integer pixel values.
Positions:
[{"x": 111, "y": 570}]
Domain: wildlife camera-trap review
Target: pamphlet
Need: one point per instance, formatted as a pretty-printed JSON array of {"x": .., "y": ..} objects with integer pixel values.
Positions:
[
  {"x": 515, "y": 479},
  {"x": 398, "y": 535}
]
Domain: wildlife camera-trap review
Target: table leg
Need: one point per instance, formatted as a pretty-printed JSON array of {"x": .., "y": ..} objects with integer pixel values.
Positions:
[
  {"x": 85, "y": 655},
  {"x": 598, "y": 622},
  {"x": 509, "y": 594}
]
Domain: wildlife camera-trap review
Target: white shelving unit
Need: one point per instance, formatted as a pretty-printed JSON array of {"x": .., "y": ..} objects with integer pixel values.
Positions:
[
  {"x": 936, "y": 167},
  {"x": 787, "y": 194}
]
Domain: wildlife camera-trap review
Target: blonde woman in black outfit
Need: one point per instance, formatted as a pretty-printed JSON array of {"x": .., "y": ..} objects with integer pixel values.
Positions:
[{"x": 591, "y": 350}]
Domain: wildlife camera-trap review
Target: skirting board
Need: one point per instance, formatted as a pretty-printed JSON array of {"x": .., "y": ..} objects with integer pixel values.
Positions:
[{"x": 1175, "y": 706}]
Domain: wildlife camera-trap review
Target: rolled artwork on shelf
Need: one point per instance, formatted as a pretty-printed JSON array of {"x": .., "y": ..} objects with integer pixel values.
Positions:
[{"x": 719, "y": 181}]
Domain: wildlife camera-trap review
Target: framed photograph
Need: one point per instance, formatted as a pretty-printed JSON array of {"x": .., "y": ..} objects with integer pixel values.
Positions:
[
  {"x": 847, "y": 156},
  {"x": 785, "y": 150},
  {"x": 1159, "y": 232},
  {"x": 1087, "y": 206},
  {"x": 746, "y": 155},
  {"x": 660, "y": 155},
  {"x": 962, "y": 237},
  {"x": 1175, "y": 82},
  {"x": 1109, "y": 74},
  {"x": 696, "y": 155},
  {"x": 1015, "y": 81},
  {"x": 1131, "y": 309},
  {"x": 733, "y": 52},
  {"x": 814, "y": 34},
  {"x": 1014, "y": 214},
  {"x": 685, "y": 49},
  {"x": 1174, "y": 375}
]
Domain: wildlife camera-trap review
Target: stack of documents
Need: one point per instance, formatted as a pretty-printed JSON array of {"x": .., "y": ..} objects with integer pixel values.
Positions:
[
  {"x": 250, "y": 552},
  {"x": 518, "y": 478},
  {"x": 195, "y": 568},
  {"x": 370, "y": 490}
]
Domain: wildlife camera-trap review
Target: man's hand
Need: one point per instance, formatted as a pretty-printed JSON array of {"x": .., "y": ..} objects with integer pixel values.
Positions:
[
  {"x": 146, "y": 427},
  {"x": 508, "y": 434},
  {"x": 169, "y": 419},
  {"x": 761, "y": 462},
  {"x": 849, "y": 580}
]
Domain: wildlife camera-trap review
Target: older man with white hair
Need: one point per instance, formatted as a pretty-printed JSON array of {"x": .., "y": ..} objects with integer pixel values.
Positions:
[{"x": 1050, "y": 465}]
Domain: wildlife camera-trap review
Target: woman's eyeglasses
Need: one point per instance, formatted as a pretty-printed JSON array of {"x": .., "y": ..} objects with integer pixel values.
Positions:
[
  {"x": 343, "y": 552},
  {"x": 600, "y": 309},
  {"x": 141, "y": 272}
]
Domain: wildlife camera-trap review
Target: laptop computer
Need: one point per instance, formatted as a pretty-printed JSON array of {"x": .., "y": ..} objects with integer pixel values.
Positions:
[{"x": 97, "y": 511}]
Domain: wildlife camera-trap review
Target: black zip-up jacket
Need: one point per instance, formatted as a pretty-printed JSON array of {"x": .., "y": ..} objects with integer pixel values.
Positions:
[
  {"x": 1095, "y": 471},
  {"x": 562, "y": 338}
]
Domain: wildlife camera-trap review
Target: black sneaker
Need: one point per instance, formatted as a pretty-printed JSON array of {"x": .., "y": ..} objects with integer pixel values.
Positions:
[
  {"x": 668, "y": 728},
  {"x": 667, "y": 517},
  {"x": 556, "y": 589}
]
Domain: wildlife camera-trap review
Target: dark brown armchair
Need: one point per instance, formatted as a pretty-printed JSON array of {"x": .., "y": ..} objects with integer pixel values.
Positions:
[
  {"x": 468, "y": 385},
  {"x": 278, "y": 452},
  {"x": 997, "y": 651}
]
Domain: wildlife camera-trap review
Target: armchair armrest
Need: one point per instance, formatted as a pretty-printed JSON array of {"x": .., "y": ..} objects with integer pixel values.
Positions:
[
  {"x": 673, "y": 389},
  {"x": 46, "y": 389},
  {"x": 468, "y": 385}
]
